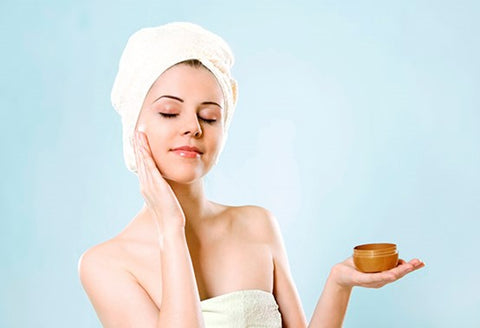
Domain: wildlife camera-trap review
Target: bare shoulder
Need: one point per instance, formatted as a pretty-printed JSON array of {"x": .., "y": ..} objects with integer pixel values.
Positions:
[
  {"x": 104, "y": 254},
  {"x": 99, "y": 264},
  {"x": 113, "y": 291},
  {"x": 116, "y": 256},
  {"x": 257, "y": 221}
]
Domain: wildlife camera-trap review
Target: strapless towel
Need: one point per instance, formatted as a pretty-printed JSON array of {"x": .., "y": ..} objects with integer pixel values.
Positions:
[{"x": 253, "y": 308}]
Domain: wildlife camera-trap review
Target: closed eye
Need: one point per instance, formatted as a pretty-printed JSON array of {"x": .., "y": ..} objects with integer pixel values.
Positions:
[
  {"x": 207, "y": 120},
  {"x": 168, "y": 115}
]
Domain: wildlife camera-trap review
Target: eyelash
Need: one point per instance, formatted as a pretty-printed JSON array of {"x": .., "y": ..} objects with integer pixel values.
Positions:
[{"x": 167, "y": 115}]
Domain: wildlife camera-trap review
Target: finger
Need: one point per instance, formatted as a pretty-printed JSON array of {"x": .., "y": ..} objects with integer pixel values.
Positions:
[
  {"x": 145, "y": 143},
  {"x": 153, "y": 183},
  {"x": 135, "y": 148},
  {"x": 403, "y": 269},
  {"x": 149, "y": 167},
  {"x": 139, "y": 162},
  {"x": 149, "y": 161},
  {"x": 400, "y": 262},
  {"x": 141, "y": 166},
  {"x": 416, "y": 262}
]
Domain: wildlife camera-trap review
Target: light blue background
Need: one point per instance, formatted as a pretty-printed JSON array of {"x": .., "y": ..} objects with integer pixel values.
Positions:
[{"x": 358, "y": 121}]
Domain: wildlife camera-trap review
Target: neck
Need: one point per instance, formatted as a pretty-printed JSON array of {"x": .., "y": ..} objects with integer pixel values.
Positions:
[{"x": 193, "y": 201}]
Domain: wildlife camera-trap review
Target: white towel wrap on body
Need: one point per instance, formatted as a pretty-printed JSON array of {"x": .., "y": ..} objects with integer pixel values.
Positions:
[{"x": 241, "y": 309}]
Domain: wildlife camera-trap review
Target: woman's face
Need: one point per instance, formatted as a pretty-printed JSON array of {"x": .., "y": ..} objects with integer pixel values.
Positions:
[{"x": 183, "y": 108}]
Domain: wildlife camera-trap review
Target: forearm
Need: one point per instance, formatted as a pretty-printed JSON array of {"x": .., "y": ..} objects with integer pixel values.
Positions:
[
  {"x": 332, "y": 305},
  {"x": 180, "y": 300}
]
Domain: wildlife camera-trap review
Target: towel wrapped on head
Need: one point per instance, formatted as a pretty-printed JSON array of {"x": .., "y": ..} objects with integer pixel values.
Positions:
[{"x": 150, "y": 52}]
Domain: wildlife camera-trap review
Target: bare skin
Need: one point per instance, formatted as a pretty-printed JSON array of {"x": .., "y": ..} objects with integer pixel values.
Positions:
[{"x": 182, "y": 248}]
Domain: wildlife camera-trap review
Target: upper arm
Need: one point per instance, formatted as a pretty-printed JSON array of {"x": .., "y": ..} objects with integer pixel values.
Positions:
[
  {"x": 117, "y": 298},
  {"x": 284, "y": 289}
]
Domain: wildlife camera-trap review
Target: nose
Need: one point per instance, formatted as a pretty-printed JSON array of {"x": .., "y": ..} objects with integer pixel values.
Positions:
[{"x": 192, "y": 126}]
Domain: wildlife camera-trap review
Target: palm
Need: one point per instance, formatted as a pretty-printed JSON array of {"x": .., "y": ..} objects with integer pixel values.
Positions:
[
  {"x": 349, "y": 276},
  {"x": 158, "y": 194}
]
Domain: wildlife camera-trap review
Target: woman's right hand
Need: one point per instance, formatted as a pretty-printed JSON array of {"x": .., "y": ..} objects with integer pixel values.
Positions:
[{"x": 159, "y": 196}]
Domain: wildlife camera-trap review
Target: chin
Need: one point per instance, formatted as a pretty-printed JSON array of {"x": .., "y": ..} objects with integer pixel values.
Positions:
[
  {"x": 181, "y": 180},
  {"x": 183, "y": 171},
  {"x": 183, "y": 175}
]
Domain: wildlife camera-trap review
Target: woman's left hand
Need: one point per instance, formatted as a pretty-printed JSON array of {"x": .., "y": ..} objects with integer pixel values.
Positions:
[{"x": 346, "y": 275}]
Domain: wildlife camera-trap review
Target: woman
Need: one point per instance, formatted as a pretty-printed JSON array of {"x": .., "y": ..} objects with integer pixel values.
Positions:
[{"x": 186, "y": 261}]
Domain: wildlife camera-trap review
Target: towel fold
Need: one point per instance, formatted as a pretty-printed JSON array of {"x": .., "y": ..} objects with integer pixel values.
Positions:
[{"x": 241, "y": 309}]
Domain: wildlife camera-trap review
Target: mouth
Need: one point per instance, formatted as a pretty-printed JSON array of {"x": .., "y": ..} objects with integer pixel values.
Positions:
[{"x": 187, "y": 152}]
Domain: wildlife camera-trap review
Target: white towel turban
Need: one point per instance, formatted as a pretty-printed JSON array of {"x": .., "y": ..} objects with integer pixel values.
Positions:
[{"x": 151, "y": 51}]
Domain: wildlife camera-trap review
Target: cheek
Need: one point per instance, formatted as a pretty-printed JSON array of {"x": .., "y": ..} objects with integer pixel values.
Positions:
[
  {"x": 159, "y": 150},
  {"x": 155, "y": 138},
  {"x": 219, "y": 135},
  {"x": 156, "y": 142},
  {"x": 216, "y": 140}
]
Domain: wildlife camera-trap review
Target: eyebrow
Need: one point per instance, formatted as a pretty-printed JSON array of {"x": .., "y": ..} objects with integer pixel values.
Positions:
[{"x": 181, "y": 100}]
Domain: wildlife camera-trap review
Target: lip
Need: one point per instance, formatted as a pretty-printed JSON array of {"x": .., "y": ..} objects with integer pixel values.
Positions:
[
  {"x": 187, "y": 152},
  {"x": 188, "y": 149}
]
